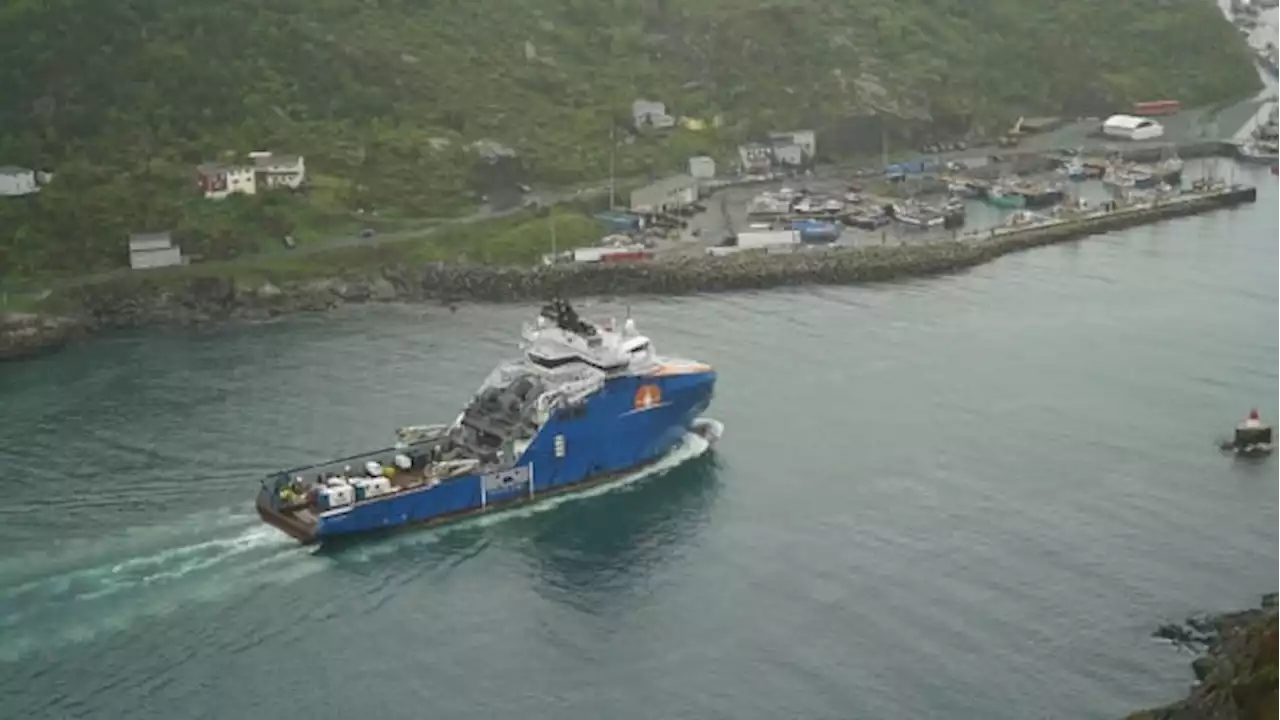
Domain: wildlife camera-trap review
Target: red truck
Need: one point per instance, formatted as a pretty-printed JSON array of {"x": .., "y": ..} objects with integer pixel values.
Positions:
[{"x": 1156, "y": 107}]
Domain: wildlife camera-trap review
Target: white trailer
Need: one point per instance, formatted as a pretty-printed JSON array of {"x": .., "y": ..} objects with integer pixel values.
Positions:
[
  {"x": 590, "y": 254},
  {"x": 767, "y": 238}
]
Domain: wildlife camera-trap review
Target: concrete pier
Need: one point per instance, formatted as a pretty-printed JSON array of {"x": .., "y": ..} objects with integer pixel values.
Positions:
[{"x": 1100, "y": 222}]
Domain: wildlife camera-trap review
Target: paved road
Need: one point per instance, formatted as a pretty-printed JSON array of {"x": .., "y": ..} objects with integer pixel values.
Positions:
[{"x": 543, "y": 198}]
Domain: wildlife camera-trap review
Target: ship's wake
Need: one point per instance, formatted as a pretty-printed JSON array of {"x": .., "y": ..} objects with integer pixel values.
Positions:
[{"x": 74, "y": 594}]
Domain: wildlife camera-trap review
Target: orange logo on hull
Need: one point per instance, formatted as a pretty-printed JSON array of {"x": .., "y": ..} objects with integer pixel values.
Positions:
[{"x": 647, "y": 396}]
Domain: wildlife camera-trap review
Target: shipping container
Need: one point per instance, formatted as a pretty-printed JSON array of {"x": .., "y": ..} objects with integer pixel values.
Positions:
[
  {"x": 721, "y": 251},
  {"x": 762, "y": 239},
  {"x": 619, "y": 222},
  {"x": 589, "y": 254},
  {"x": 1156, "y": 107}
]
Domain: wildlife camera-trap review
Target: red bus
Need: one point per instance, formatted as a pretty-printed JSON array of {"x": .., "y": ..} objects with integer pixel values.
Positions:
[{"x": 1157, "y": 107}]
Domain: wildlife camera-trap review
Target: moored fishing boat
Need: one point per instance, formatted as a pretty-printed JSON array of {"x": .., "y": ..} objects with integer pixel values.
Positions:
[
  {"x": 587, "y": 404},
  {"x": 1041, "y": 196},
  {"x": 1005, "y": 197},
  {"x": 1259, "y": 152}
]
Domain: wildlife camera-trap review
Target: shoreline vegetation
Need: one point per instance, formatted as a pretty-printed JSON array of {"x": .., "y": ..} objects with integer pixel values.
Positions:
[
  {"x": 1235, "y": 670},
  {"x": 406, "y": 272},
  {"x": 405, "y": 112}
]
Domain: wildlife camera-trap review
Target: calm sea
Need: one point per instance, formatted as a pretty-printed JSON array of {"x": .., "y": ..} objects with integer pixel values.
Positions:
[{"x": 964, "y": 497}]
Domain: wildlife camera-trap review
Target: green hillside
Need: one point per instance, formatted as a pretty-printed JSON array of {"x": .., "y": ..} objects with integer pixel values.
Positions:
[{"x": 121, "y": 99}]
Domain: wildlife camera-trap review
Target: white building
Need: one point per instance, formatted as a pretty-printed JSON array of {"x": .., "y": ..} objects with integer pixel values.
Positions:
[
  {"x": 755, "y": 158},
  {"x": 806, "y": 139},
  {"x": 789, "y": 155},
  {"x": 278, "y": 171},
  {"x": 16, "y": 181},
  {"x": 1129, "y": 127},
  {"x": 665, "y": 195},
  {"x": 153, "y": 250},
  {"x": 217, "y": 181},
  {"x": 702, "y": 167},
  {"x": 651, "y": 113}
]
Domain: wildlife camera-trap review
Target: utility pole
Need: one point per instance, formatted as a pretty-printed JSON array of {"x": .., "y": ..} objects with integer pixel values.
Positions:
[
  {"x": 884, "y": 142},
  {"x": 551, "y": 219},
  {"x": 613, "y": 153}
]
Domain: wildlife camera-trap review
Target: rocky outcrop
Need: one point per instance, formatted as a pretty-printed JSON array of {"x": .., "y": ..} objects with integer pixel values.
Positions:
[
  {"x": 26, "y": 334},
  {"x": 1236, "y": 673}
]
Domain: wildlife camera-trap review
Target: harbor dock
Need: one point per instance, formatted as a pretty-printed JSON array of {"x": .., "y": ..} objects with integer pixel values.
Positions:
[{"x": 801, "y": 263}]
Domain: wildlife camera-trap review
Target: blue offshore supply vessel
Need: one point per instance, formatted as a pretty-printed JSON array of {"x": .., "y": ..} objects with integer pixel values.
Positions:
[{"x": 586, "y": 404}]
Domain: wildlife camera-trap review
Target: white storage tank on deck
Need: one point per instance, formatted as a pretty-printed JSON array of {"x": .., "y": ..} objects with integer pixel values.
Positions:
[
  {"x": 336, "y": 497},
  {"x": 366, "y": 488}
]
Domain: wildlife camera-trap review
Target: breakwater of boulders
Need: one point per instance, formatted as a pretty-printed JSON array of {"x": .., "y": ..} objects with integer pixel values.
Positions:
[{"x": 138, "y": 300}]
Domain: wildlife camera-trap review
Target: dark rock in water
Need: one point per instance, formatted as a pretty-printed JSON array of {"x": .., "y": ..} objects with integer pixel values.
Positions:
[
  {"x": 1203, "y": 667},
  {"x": 26, "y": 334},
  {"x": 1237, "y": 673},
  {"x": 1195, "y": 634},
  {"x": 1172, "y": 632},
  {"x": 1201, "y": 623}
]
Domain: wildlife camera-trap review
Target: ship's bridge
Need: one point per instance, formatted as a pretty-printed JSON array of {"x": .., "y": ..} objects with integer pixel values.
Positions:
[{"x": 560, "y": 338}]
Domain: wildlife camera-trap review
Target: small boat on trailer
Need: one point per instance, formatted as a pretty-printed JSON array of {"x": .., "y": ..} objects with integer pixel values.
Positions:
[{"x": 587, "y": 404}]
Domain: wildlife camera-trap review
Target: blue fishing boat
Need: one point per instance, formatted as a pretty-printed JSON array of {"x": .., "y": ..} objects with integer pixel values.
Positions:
[{"x": 587, "y": 404}]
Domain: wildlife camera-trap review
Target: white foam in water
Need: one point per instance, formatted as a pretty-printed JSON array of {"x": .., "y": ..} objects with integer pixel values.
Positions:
[{"x": 81, "y": 604}]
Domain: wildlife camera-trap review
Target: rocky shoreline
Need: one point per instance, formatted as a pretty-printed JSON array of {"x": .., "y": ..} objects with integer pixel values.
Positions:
[
  {"x": 26, "y": 334},
  {"x": 1236, "y": 672},
  {"x": 136, "y": 301}
]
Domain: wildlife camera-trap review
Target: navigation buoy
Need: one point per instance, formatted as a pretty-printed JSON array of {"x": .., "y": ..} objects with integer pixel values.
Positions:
[{"x": 1252, "y": 437}]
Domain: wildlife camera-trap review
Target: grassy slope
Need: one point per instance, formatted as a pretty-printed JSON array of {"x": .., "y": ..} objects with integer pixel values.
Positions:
[{"x": 121, "y": 98}]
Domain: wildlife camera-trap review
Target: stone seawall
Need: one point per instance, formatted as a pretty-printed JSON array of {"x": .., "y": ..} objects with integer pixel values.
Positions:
[{"x": 138, "y": 301}]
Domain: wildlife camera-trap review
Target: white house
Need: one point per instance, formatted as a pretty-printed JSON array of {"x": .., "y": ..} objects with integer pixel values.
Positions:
[
  {"x": 806, "y": 139},
  {"x": 702, "y": 167},
  {"x": 153, "y": 250},
  {"x": 789, "y": 155},
  {"x": 651, "y": 113},
  {"x": 1129, "y": 127},
  {"x": 755, "y": 158},
  {"x": 16, "y": 181},
  {"x": 217, "y": 181},
  {"x": 278, "y": 171},
  {"x": 665, "y": 195}
]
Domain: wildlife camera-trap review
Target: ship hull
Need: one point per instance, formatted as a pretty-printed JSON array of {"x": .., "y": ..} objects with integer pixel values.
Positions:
[
  {"x": 1008, "y": 202},
  {"x": 566, "y": 456}
]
